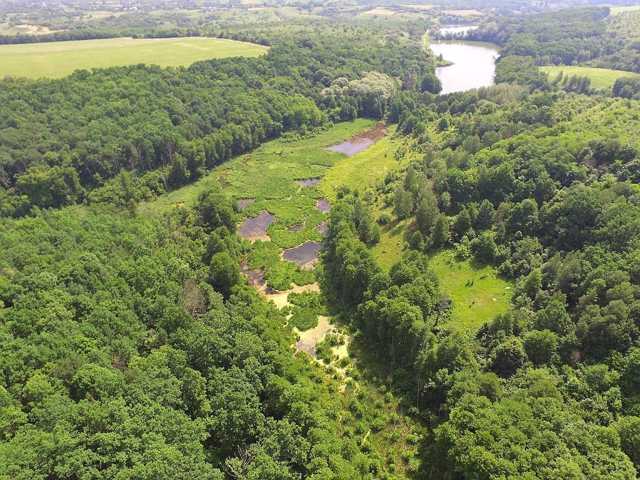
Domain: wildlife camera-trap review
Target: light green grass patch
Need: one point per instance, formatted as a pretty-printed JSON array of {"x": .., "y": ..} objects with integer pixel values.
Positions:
[
  {"x": 624, "y": 9},
  {"x": 477, "y": 293},
  {"x": 58, "y": 59},
  {"x": 364, "y": 169},
  {"x": 601, "y": 78},
  {"x": 389, "y": 249}
]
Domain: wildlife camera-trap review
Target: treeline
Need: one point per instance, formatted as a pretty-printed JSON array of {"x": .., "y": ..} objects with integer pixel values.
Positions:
[
  {"x": 131, "y": 348},
  {"x": 98, "y": 33},
  {"x": 487, "y": 398},
  {"x": 61, "y": 139},
  {"x": 624, "y": 26},
  {"x": 562, "y": 37}
]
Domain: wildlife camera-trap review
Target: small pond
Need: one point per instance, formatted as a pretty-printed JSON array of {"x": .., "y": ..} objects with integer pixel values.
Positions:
[
  {"x": 360, "y": 142},
  {"x": 305, "y": 255},
  {"x": 308, "y": 182},
  {"x": 256, "y": 228},
  {"x": 323, "y": 205}
]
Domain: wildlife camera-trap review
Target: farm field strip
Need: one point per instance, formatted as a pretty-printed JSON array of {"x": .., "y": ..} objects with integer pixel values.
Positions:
[
  {"x": 58, "y": 59},
  {"x": 602, "y": 78}
]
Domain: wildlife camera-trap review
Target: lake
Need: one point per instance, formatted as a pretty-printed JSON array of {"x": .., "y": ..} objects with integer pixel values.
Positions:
[{"x": 473, "y": 65}]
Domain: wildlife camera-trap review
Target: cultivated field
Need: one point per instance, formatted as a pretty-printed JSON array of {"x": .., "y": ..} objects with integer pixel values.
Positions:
[
  {"x": 602, "y": 78},
  {"x": 58, "y": 59},
  {"x": 624, "y": 9}
]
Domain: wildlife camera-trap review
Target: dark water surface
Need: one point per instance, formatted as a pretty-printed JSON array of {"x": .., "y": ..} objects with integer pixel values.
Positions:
[
  {"x": 256, "y": 227},
  {"x": 304, "y": 255}
]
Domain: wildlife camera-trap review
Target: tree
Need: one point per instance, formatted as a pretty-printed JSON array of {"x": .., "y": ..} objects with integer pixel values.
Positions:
[
  {"x": 484, "y": 248},
  {"x": 427, "y": 212},
  {"x": 440, "y": 234},
  {"x": 179, "y": 174},
  {"x": 224, "y": 272},
  {"x": 629, "y": 430},
  {"x": 50, "y": 187},
  {"x": 485, "y": 216},
  {"x": 541, "y": 346},
  {"x": 402, "y": 203},
  {"x": 430, "y": 83},
  {"x": 215, "y": 210},
  {"x": 508, "y": 357},
  {"x": 462, "y": 224}
]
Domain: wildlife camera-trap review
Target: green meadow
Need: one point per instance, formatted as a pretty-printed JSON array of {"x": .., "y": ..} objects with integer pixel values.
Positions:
[
  {"x": 58, "y": 59},
  {"x": 364, "y": 169},
  {"x": 601, "y": 78},
  {"x": 271, "y": 175},
  {"x": 477, "y": 293}
]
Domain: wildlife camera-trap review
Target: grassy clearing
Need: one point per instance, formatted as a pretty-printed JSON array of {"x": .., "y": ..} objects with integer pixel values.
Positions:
[
  {"x": 58, "y": 59},
  {"x": 364, "y": 169},
  {"x": 391, "y": 245},
  {"x": 270, "y": 175},
  {"x": 477, "y": 293},
  {"x": 601, "y": 78}
]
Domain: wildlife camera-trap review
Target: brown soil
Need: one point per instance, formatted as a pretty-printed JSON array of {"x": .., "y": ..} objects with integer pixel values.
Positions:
[{"x": 243, "y": 203}]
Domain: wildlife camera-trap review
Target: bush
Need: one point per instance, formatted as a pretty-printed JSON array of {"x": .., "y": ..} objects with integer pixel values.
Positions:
[{"x": 303, "y": 319}]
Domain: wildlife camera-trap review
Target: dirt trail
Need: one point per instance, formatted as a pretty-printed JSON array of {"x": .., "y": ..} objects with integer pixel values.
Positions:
[{"x": 281, "y": 299}]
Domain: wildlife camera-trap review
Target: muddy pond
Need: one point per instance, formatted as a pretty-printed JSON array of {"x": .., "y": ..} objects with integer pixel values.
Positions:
[
  {"x": 360, "y": 142},
  {"x": 323, "y": 205},
  {"x": 305, "y": 255},
  {"x": 255, "y": 228},
  {"x": 308, "y": 182}
]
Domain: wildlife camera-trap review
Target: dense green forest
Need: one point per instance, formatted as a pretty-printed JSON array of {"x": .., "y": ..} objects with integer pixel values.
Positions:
[
  {"x": 141, "y": 335},
  {"x": 126, "y": 354},
  {"x": 543, "y": 187},
  {"x": 60, "y": 140}
]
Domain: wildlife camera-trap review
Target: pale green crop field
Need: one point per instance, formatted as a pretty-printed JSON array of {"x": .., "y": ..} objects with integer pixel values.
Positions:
[
  {"x": 601, "y": 78},
  {"x": 624, "y": 9},
  {"x": 58, "y": 59}
]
